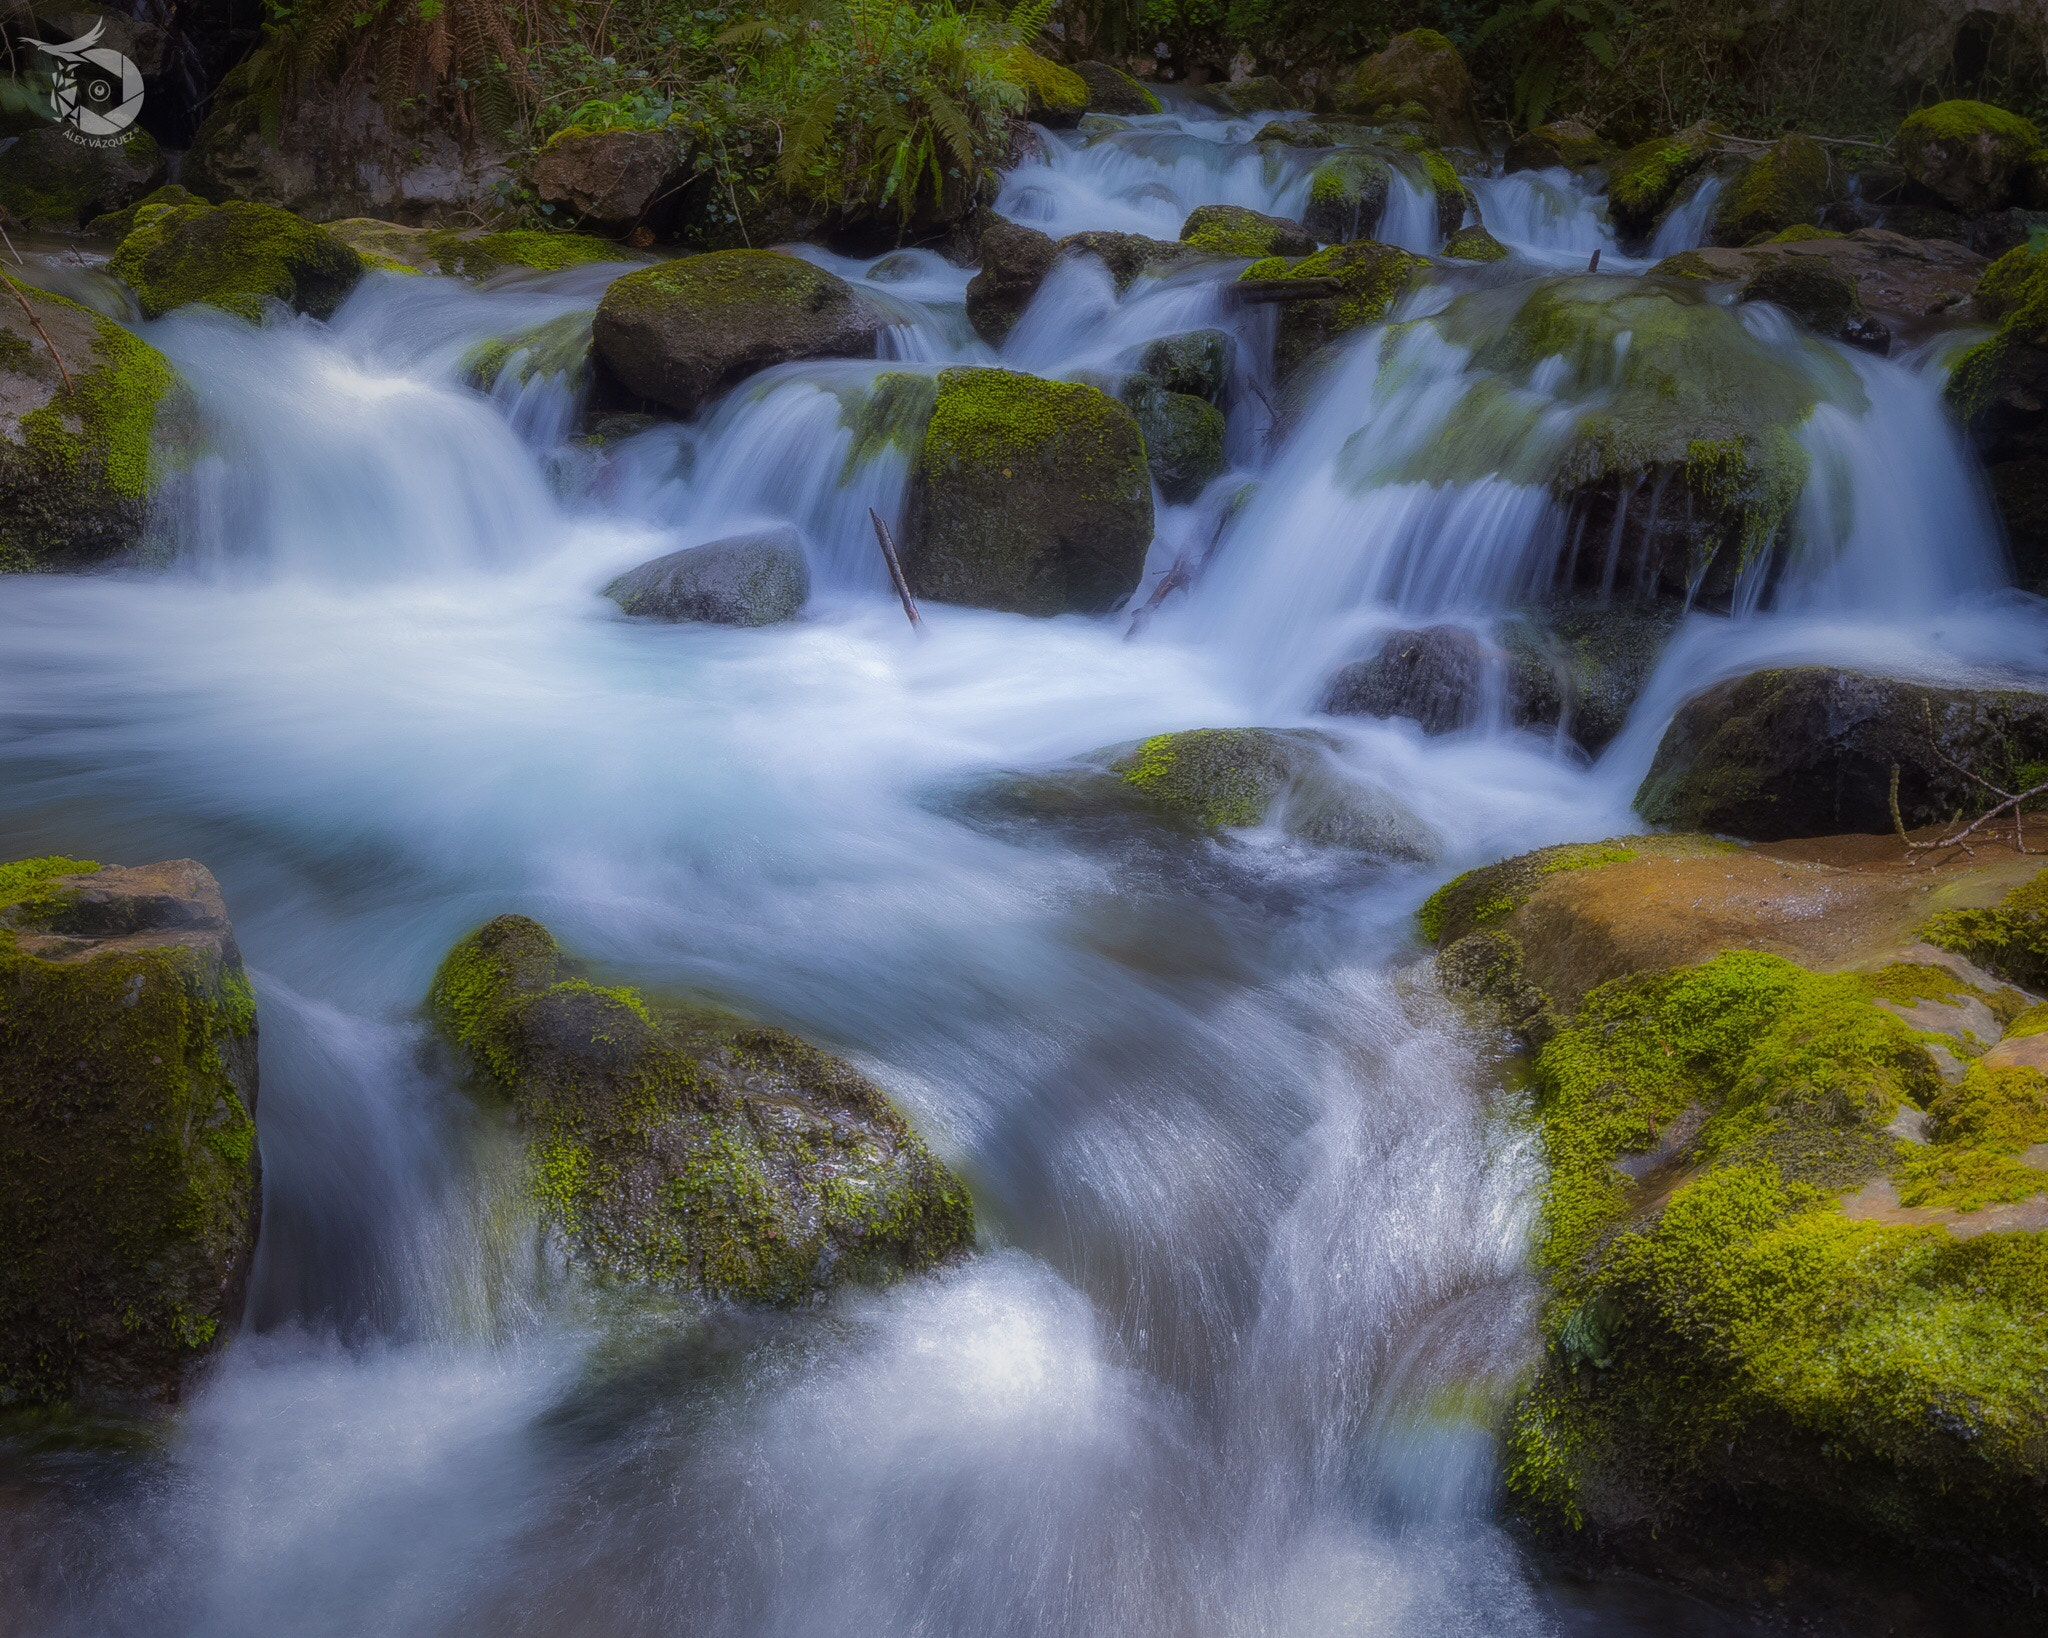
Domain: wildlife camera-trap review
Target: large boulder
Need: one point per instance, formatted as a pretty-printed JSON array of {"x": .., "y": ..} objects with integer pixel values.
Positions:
[
  {"x": 1112, "y": 91},
  {"x": 1434, "y": 677},
  {"x": 2000, "y": 389},
  {"x": 238, "y": 257},
  {"x": 1785, "y": 186},
  {"x": 1014, "y": 263},
  {"x": 1363, "y": 281},
  {"x": 1645, "y": 181},
  {"x": 1261, "y": 94},
  {"x": 675, "y": 1146},
  {"x": 1054, "y": 95},
  {"x": 1030, "y": 496},
  {"x": 1571, "y": 143},
  {"x": 1347, "y": 194},
  {"x": 1183, "y": 437},
  {"x": 1970, "y": 155},
  {"x": 1900, "y": 282},
  {"x": 612, "y": 181},
  {"x": 1421, "y": 68},
  {"x": 128, "y": 1168},
  {"x": 745, "y": 580},
  {"x": 75, "y": 465},
  {"x": 1234, "y": 230},
  {"x": 1773, "y": 1189},
  {"x": 1811, "y": 751},
  {"x": 1127, "y": 255},
  {"x": 49, "y": 179},
  {"x": 681, "y": 333}
]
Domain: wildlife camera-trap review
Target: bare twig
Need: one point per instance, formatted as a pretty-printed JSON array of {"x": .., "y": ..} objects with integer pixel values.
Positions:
[
  {"x": 1179, "y": 575},
  {"x": 895, "y": 569},
  {"x": 18, "y": 262},
  {"x": 69, "y": 390}
]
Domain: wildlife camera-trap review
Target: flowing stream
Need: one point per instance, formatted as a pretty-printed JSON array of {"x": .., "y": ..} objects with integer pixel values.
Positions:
[{"x": 1251, "y": 1294}]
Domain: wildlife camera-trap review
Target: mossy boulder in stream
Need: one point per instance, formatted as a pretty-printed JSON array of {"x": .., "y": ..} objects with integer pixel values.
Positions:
[
  {"x": 1645, "y": 180},
  {"x": 1475, "y": 244},
  {"x": 681, "y": 333},
  {"x": 52, "y": 181},
  {"x": 1347, "y": 195},
  {"x": 1030, "y": 496},
  {"x": 1368, "y": 277},
  {"x": 1232, "y": 230},
  {"x": 1183, "y": 437},
  {"x": 128, "y": 1174},
  {"x": 1571, "y": 143},
  {"x": 1420, "y": 68},
  {"x": 1971, "y": 155},
  {"x": 679, "y": 1147},
  {"x": 2000, "y": 389},
  {"x": 1014, "y": 262},
  {"x": 557, "y": 347},
  {"x": 1786, "y": 186},
  {"x": 470, "y": 254},
  {"x": 76, "y": 471},
  {"x": 237, "y": 257},
  {"x": 1054, "y": 95},
  {"x": 1811, "y": 751},
  {"x": 1112, "y": 91},
  {"x": 759, "y": 579}
]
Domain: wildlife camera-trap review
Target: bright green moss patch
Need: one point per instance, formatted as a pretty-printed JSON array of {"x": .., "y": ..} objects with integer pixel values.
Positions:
[
  {"x": 1232, "y": 230},
  {"x": 236, "y": 257},
  {"x": 2010, "y": 939},
  {"x": 1961, "y": 120},
  {"x": 1051, "y": 87},
  {"x": 1495, "y": 891},
  {"x": 1784, "y": 187},
  {"x": 544, "y": 252},
  {"x": 1217, "y": 778},
  {"x": 1645, "y": 179},
  {"x": 1475, "y": 244},
  {"x": 1800, "y": 232},
  {"x": 892, "y": 414},
  {"x": 1369, "y": 278}
]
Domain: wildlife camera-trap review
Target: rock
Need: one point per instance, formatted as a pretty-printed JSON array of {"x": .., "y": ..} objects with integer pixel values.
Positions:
[
  {"x": 237, "y": 257},
  {"x": 1347, "y": 195},
  {"x": 75, "y": 468},
  {"x": 1197, "y": 362},
  {"x": 1786, "y": 186},
  {"x": 612, "y": 181},
  {"x": 1029, "y": 496},
  {"x": 1232, "y": 230},
  {"x": 1475, "y": 244},
  {"x": 746, "y": 580},
  {"x": 1055, "y": 95},
  {"x": 2000, "y": 390},
  {"x": 1261, "y": 94},
  {"x": 1738, "y": 1255},
  {"x": 681, "y": 333},
  {"x": 557, "y": 347},
  {"x": 1420, "y": 67},
  {"x": 1369, "y": 276},
  {"x": 1644, "y": 181},
  {"x": 472, "y": 253},
  {"x": 1571, "y": 143},
  {"x": 118, "y": 224},
  {"x": 1819, "y": 297},
  {"x": 128, "y": 1169},
  {"x": 1970, "y": 155},
  {"x": 1294, "y": 134},
  {"x": 1809, "y": 752},
  {"x": 678, "y": 1147},
  {"x": 1111, "y": 91},
  {"x": 1902, "y": 282},
  {"x": 1183, "y": 438},
  {"x": 1578, "y": 668},
  {"x": 1014, "y": 263},
  {"x": 1434, "y": 677},
  {"x": 1127, "y": 255},
  {"x": 50, "y": 180}
]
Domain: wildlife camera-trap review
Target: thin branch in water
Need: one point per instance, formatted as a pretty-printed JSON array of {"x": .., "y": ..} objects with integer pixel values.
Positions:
[{"x": 895, "y": 569}]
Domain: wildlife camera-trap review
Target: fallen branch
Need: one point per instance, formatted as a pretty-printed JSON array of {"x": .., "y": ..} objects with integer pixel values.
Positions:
[
  {"x": 895, "y": 569},
  {"x": 1177, "y": 576},
  {"x": 69, "y": 390}
]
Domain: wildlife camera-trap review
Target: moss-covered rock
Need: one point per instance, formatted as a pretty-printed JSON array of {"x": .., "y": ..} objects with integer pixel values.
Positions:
[
  {"x": 1645, "y": 180},
  {"x": 1347, "y": 195},
  {"x": 2000, "y": 390},
  {"x": 116, "y": 225},
  {"x": 75, "y": 464},
  {"x": 1571, "y": 143},
  {"x": 1112, "y": 91},
  {"x": 1811, "y": 751},
  {"x": 237, "y": 257},
  {"x": 1786, "y": 186},
  {"x": 1423, "y": 69},
  {"x": 2009, "y": 939},
  {"x": 50, "y": 180},
  {"x": 1475, "y": 244},
  {"x": 678, "y": 1147},
  {"x": 471, "y": 253},
  {"x": 1030, "y": 496},
  {"x": 1128, "y": 255},
  {"x": 1294, "y": 134},
  {"x": 128, "y": 1173},
  {"x": 1054, "y": 94},
  {"x": 1183, "y": 437},
  {"x": 1195, "y": 361},
  {"x": 682, "y": 332},
  {"x": 1971, "y": 155},
  {"x": 1233, "y": 230},
  {"x": 1435, "y": 677},
  {"x": 1369, "y": 278},
  {"x": 758, "y": 579},
  {"x": 1818, "y": 296},
  {"x": 612, "y": 181},
  {"x": 1262, "y": 94},
  {"x": 559, "y": 347},
  {"x": 1014, "y": 263},
  {"x": 1578, "y": 667}
]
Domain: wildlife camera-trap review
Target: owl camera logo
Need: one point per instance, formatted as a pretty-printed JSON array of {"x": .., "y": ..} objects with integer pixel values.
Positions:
[{"x": 94, "y": 90}]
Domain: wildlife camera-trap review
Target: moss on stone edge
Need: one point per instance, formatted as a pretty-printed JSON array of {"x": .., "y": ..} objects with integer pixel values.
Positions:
[
  {"x": 1871, "y": 1380},
  {"x": 1214, "y": 778},
  {"x": 1494, "y": 892},
  {"x": 1050, "y": 86},
  {"x": 137, "y": 1213},
  {"x": 893, "y": 413},
  {"x": 1961, "y": 120},
  {"x": 558, "y": 347},
  {"x": 236, "y": 257},
  {"x": 2013, "y": 291},
  {"x": 535, "y": 249},
  {"x": 681, "y": 1147},
  {"x": 1784, "y": 187},
  {"x": 2009, "y": 939},
  {"x": 1475, "y": 244},
  {"x": 986, "y": 420},
  {"x": 1370, "y": 277},
  {"x": 1232, "y": 230},
  {"x": 1646, "y": 178}
]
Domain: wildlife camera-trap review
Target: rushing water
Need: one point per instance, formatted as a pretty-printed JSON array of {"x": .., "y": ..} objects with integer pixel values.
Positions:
[{"x": 1251, "y": 1292}]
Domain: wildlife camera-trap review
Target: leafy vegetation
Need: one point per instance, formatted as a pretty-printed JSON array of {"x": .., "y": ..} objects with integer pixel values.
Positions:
[{"x": 1548, "y": 40}]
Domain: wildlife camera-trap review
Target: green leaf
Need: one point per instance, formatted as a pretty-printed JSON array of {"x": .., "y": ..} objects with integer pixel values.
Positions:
[{"x": 1601, "y": 47}]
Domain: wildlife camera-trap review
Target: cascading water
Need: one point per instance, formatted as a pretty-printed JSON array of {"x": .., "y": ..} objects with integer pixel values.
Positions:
[{"x": 1252, "y": 1284}]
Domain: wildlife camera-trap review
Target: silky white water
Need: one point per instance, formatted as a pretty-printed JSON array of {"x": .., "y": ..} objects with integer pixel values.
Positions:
[{"x": 1251, "y": 1285}]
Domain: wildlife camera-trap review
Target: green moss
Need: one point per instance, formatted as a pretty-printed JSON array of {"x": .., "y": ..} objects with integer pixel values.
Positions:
[
  {"x": 1647, "y": 177},
  {"x": 542, "y": 251},
  {"x": 120, "y": 223},
  {"x": 891, "y": 414},
  {"x": 1369, "y": 277},
  {"x": 1800, "y": 232},
  {"x": 1781, "y": 188},
  {"x": 1214, "y": 778},
  {"x": 1051, "y": 87},
  {"x": 1347, "y": 193},
  {"x": 49, "y": 180},
  {"x": 237, "y": 257},
  {"x": 559, "y": 347},
  {"x": 2010, "y": 939},
  {"x": 1496, "y": 891},
  {"x": 1961, "y": 120},
  {"x": 1475, "y": 244},
  {"x": 1232, "y": 230},
  {"x": 2028, "y": 1021},
  {"x": 992, "y": 419}
]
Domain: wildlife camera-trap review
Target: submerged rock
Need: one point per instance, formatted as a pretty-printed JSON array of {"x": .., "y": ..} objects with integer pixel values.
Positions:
[
  {"x": 683, "y": 332},
  {"x": 1579, "y": 668},
  {"x": 1420, "y": 69},
  {"x": 128, "y": 1170},
  {"x": 1232, "y": 230},
  {"x": 1112, "y": 91},
  {"x": 51, "y": 180},
  {"x": 1435, "y": 677},
  {"x": 1810, "y": 751},
  {"x": 679, "y": 1147},
  {"x": 1347, "y": 195},
  {"x": 1369, "y": 277},
  {"x": 1014, "y": 263},
  {"x": 744, "y": 580},
  {"x": 76, "y": 471},
  {"x": 1786, "y": 186},
  {"x": 1970, "y": 155},
  {"x": 1029, "y": 496},
  {"x": 613, "y": 181},
  {"x": 237, "y": 257}
]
